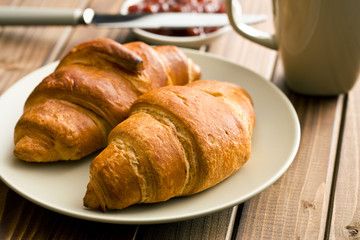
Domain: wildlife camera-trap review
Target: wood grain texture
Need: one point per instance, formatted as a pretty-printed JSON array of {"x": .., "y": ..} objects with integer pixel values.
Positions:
[
  {"x": 21, "y": 219},
  {"x": 295, "y": 207},
  {"x": 345, "y": 222},
  {"x": 213, "y": 226},
  {"x": 24, "y": 49}
]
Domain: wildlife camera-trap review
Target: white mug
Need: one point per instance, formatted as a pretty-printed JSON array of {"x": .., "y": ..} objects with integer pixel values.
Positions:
[{"x": 318, "y": 41}]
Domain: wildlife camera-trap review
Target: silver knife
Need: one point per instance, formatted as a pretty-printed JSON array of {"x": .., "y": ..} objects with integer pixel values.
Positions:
[{"x": 50, "y": 16}]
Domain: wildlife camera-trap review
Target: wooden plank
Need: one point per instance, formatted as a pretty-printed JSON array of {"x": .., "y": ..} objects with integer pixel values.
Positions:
[
  {"x": 25, "y": 220},
  {"x": 295, "y": 207},
  {"x": 210, "y": 227},
  {"x": 24, "y": 49},
  {"x": 345, "y": 221}
]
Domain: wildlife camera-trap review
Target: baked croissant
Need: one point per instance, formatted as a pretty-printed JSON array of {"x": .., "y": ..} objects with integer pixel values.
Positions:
[
  {"x": 178, "y": 141},
  {"x": 71, "y": 112}
]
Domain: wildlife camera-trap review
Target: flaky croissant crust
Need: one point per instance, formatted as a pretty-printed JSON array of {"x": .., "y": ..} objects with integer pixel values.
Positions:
[
  {"x": 71, "y": 112},
  {"x": 178, "y": 141}
]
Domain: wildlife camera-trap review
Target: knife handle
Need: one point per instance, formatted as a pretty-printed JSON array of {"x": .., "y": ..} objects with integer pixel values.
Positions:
[{"x": 41, "y": 16}]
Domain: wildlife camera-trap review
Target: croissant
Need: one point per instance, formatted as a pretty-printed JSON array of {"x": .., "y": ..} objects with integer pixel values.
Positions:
[
  {"x": 178, "y": 141},
  {"x": 71, "y": 112}
]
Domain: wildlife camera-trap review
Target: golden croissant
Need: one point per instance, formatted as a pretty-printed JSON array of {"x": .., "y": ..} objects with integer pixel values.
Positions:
[
  {"x": 71, "y": 112},
  {"x": 178, "y": 141}
]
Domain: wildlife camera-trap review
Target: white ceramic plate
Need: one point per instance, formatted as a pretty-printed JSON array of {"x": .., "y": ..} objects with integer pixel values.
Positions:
[
  {"x": 189, "y": 42},
  {"x": 61, "y": 186}
]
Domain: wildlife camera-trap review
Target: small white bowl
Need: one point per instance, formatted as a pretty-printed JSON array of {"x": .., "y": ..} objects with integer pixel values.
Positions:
[{"x": 188, "y": 41}]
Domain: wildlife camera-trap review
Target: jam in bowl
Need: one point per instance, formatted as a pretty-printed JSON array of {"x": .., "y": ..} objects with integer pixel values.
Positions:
[{"x": 199, "y": 6}]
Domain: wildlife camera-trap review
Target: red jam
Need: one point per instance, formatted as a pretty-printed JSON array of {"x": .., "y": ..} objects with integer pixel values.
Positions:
[{"x": 201, "y": 6}]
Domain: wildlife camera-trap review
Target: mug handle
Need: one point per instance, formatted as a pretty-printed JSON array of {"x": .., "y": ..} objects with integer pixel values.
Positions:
[{"x": 257, "y": 36}]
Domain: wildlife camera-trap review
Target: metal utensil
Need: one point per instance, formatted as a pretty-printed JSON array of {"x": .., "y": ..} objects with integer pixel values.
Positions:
[{"x": 50, "y": 16}]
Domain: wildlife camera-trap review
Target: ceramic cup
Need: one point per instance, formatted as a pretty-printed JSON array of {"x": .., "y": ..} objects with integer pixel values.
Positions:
[{"x": 318, "y": 41}]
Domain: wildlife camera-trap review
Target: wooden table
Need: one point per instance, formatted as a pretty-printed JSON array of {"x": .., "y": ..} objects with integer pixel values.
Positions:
[{"x": 318, "y": 197}]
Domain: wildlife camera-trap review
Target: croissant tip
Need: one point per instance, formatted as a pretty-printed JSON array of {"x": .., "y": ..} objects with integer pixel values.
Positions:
[
  {"x": 32, "y": 150},
  {"x": 90, "y": 200}
]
